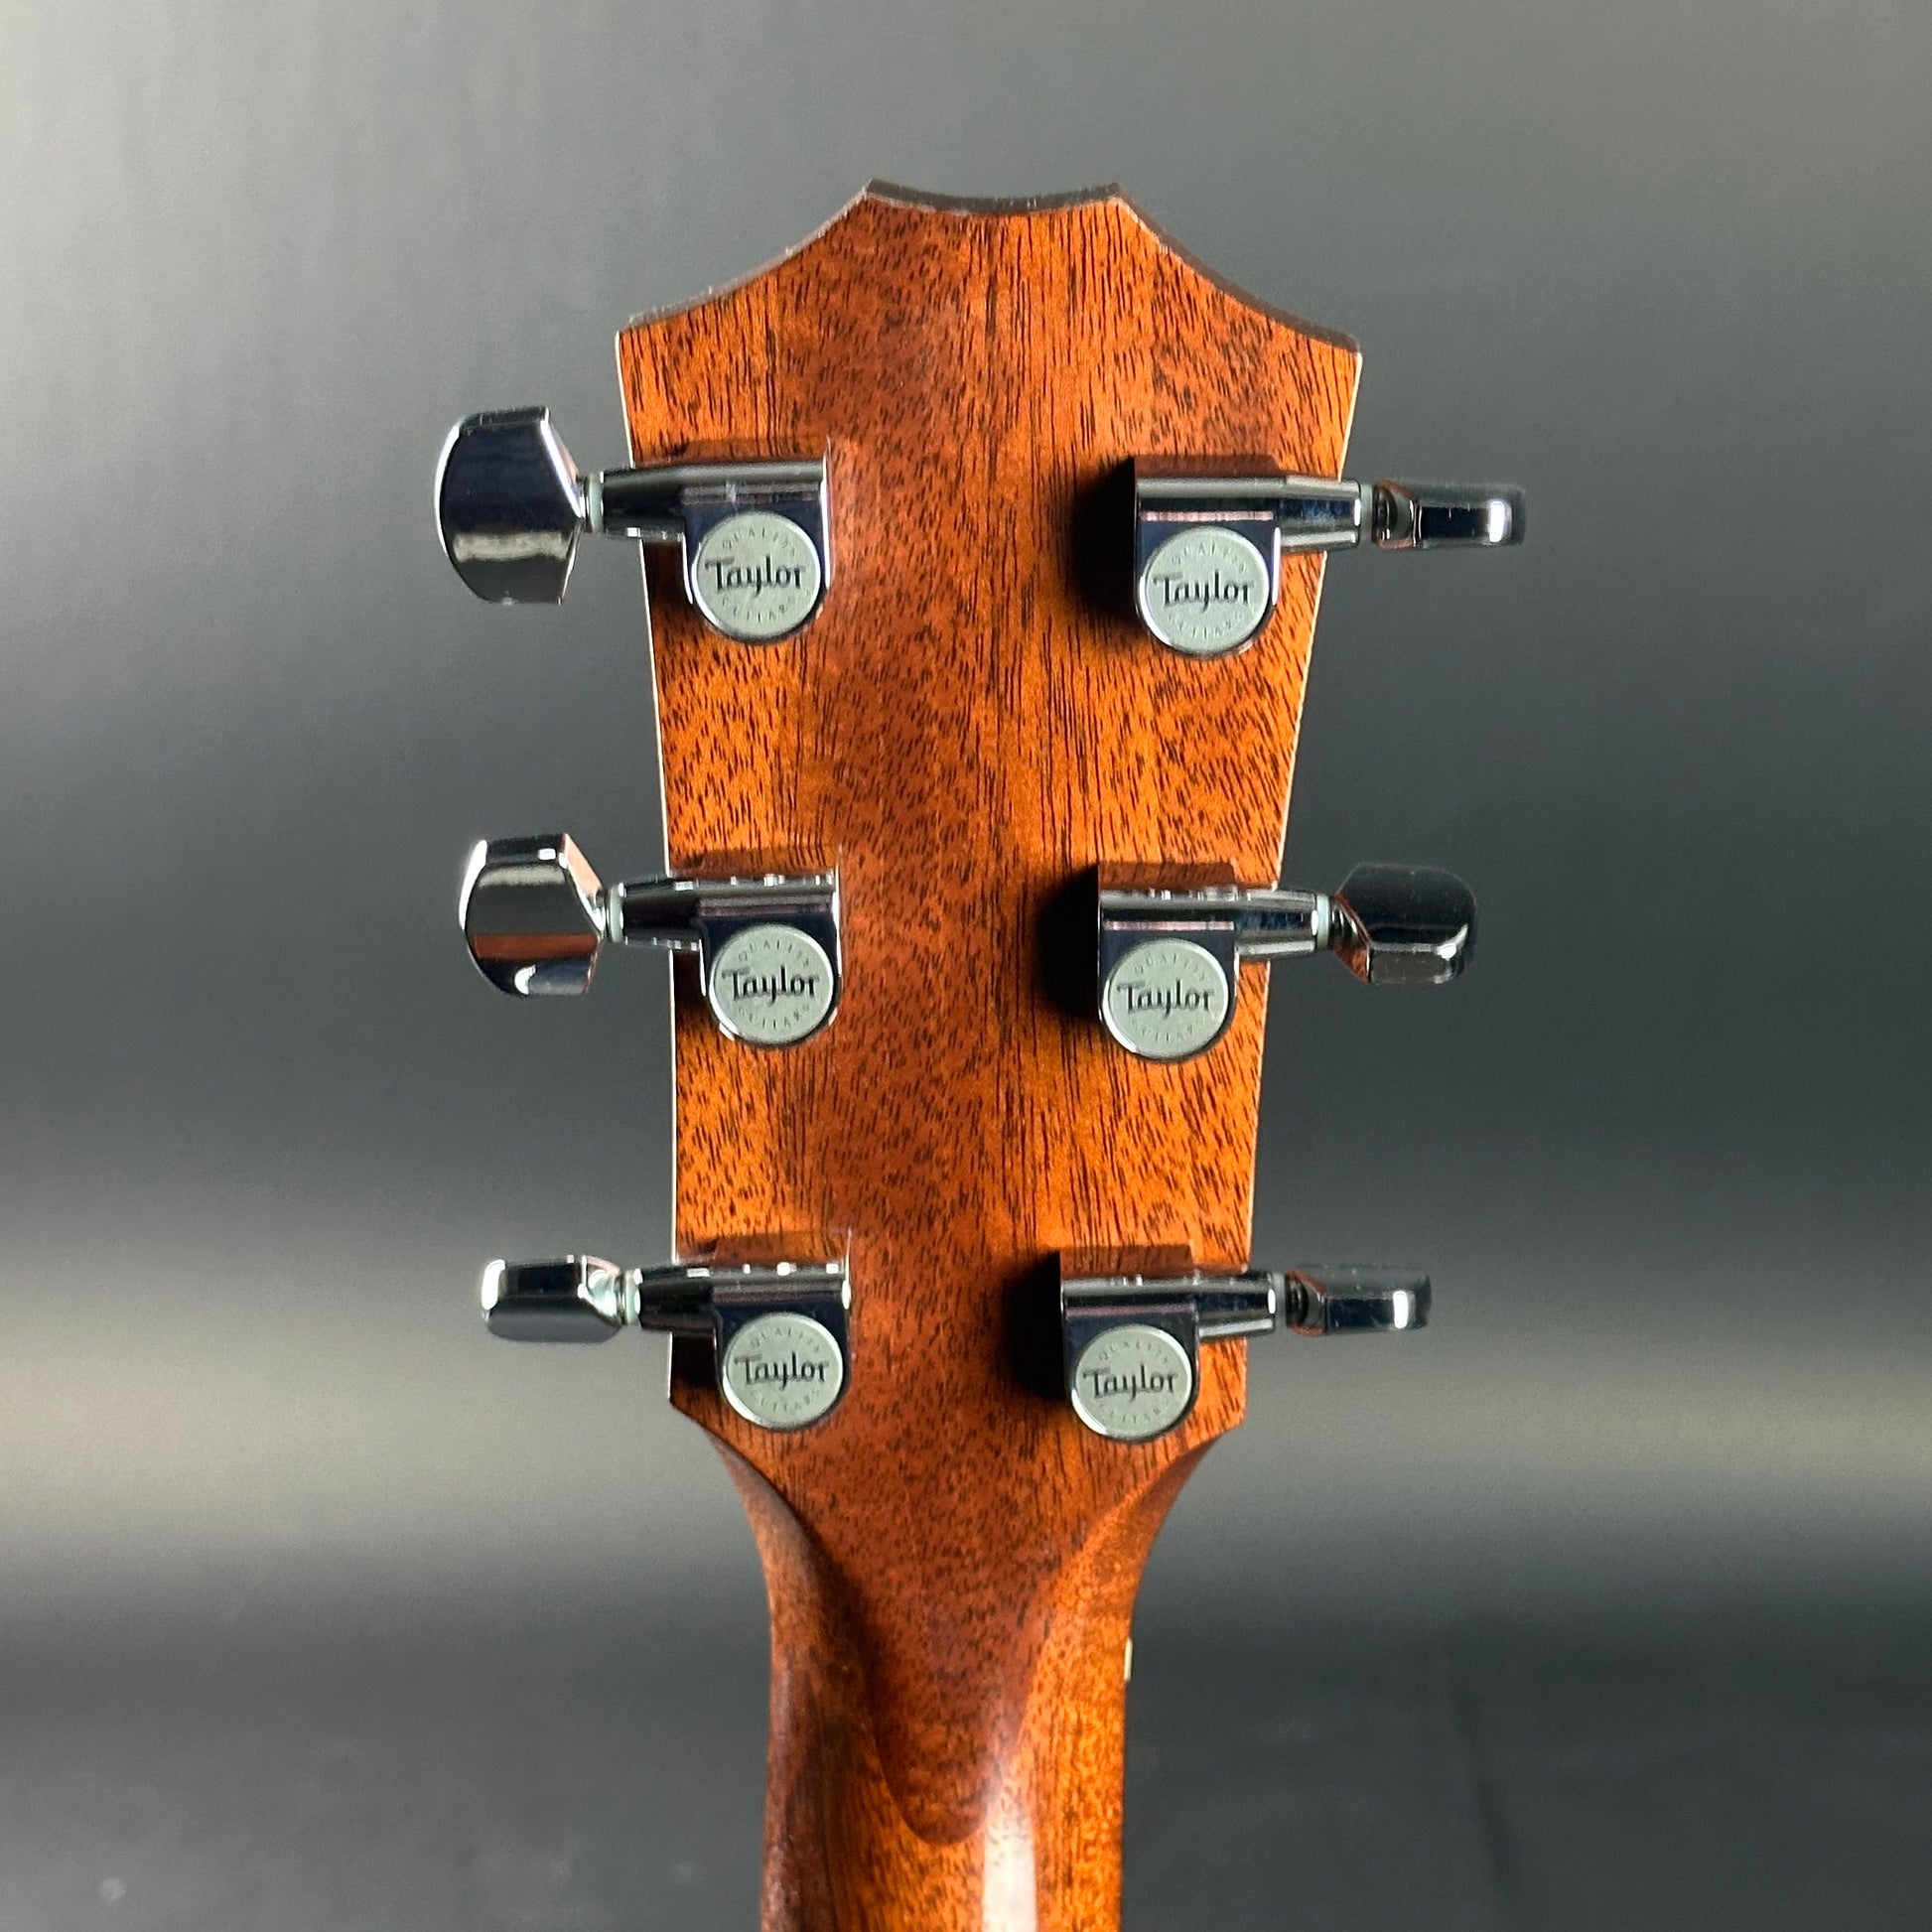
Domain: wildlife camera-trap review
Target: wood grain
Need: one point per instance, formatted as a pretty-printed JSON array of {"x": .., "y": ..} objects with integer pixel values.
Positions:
[{"x": 973, "y": 723}]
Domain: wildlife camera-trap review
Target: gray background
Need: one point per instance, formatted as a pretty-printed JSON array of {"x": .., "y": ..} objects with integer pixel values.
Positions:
[{"x": 1599, "y": 1604}]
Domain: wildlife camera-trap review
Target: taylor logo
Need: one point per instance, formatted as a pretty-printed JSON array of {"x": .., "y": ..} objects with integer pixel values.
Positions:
[
  {"x": 781, "y": 983},
  {"x": 1167, "y": 999},
  {"x": 754, "y": 1370},
  {"x": 756, "y": 576},
  {"x": 1132, "y": 1382},
  {"x": 1200, "y": 594},
  {"x": 753, "y": 577},
  {"x": 782, "y": 1370},
  {"x": 1174, "y": 996},
  {"x": 771, "y": 985},
  {"x": 1206, "y": 589}
]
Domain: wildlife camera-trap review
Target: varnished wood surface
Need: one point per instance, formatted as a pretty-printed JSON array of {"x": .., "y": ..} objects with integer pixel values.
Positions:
[{"x": 972, "y": 723}]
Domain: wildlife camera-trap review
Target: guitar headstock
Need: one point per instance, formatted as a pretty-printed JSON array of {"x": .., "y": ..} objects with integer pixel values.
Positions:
[{"x": 984, "y": 543}]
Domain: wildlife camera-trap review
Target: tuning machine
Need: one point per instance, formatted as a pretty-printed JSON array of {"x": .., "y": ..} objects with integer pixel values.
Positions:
[
  {"x": 1133, "y": 1339},
  {"x": 1170, "y": 953},
  {"x": 756, "y": 537},
  {"x": 536, "y": 917},
  {"x": 1209, "y": 547},
  {"x": 778, "y": 1331}
]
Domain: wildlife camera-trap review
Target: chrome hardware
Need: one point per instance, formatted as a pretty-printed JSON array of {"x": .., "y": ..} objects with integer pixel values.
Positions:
[
  {"x": 778, "y": 1331},
  {"x": 536, "y": 917},
  {"x": 576, "y": 1298},
  {"x": 768, "y": 946},
  {"x": 1445, "y": 516},
  {"x": 1133, "y": 1380},
  {"x": 755, "y": 537},
  {"x": 1345, "y": 1298},
  {"x": 1402, "y": 926},
  {"x": 1169, "y": 956},
  {"x": 1133, "y": 1340},
  {"x": 1207, "y": 548}
]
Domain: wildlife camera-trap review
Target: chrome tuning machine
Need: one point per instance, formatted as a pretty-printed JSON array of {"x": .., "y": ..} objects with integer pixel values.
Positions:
[
  {"x": 1207, "y": 547},
  {"x": 536, "y": 917},
  {"x": 1170, "y": 953},
  {"x": 778, "y": 1331},
  {"x": 755, "y": 537},
  {"x": 1133, "y": 1339}
]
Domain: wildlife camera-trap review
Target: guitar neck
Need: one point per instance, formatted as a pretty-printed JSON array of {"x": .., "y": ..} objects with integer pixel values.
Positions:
[{"x": 948, "y": 1764}]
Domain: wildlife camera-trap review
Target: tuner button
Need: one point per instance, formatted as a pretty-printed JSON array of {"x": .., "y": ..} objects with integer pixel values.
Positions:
[
  {"x": 533, "y": 914},
  {"x": 1445, "y": 516},
  {"x": 576, "y": 1299},
  {"x": 509, "y": 506},
  {"x": 1347, "y": 1300},
  {"x": 1403, "y": 926}
]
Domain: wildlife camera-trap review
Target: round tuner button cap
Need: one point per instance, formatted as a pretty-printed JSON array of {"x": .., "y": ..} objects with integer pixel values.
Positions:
[
  {"x": 771, "y": 985},
  {"x": 1204, "y": 591},
  {"x": 1132, "y": 1383},
  {"x": 1167, "y": 999},
  {"x": 755, "y": 576},
  {"x": 782, "y": 1370}
]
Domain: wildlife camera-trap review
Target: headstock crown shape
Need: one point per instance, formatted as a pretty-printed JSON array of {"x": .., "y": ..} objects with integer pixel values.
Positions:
[{"x": 987, "y": 855}]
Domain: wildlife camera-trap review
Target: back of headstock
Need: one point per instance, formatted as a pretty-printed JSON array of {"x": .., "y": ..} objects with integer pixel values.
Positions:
[{"x": 984, "y": 544}]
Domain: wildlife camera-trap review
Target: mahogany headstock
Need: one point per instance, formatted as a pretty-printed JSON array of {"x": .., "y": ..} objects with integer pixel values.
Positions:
[{"x": 971, "y": 729}]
